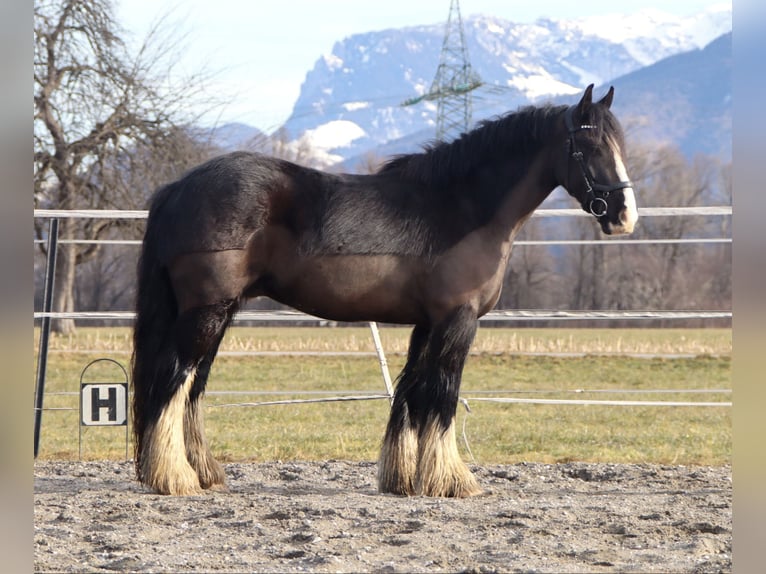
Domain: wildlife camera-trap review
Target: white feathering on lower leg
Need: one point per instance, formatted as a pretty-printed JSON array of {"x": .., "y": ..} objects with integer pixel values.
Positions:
[{"x": 164, "y": 464}]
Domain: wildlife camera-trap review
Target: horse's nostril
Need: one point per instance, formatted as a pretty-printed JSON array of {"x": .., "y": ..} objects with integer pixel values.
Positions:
[{"x": 627, "y": 221}]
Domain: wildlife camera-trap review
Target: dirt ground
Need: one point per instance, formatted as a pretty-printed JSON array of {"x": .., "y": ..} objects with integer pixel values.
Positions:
[{"x": 328, "y": 517}]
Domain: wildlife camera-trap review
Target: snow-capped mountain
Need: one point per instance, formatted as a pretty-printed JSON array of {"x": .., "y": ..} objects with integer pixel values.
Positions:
[
  {"x": 351, "y": 101},
  {"x": 642, "y": 33},
  {"x": 685, "y": 99}
]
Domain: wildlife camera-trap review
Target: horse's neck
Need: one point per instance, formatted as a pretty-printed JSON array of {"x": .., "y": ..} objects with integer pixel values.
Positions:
[{"x": 521, "y": 200}]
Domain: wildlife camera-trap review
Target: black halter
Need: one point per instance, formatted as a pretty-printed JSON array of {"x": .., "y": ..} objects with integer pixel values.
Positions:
[{"x": 596, "y": 193}]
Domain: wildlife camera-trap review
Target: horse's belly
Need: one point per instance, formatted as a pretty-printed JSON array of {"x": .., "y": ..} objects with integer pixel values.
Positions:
[{"x": 352, "y": 287}]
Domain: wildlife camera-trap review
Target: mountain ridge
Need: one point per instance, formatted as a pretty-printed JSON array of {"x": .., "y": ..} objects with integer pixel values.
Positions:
[{"x": 350, "y": 103}]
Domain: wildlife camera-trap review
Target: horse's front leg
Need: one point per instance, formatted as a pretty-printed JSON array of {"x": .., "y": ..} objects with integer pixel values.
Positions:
[
  {"x": 421, "y": 429},
  {"x": 440, "y": 469},
  {"x": 398, "y": 456}
]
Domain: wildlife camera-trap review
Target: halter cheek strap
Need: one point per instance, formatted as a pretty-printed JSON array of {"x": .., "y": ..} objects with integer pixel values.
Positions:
[{"x": 595, "y": 193}]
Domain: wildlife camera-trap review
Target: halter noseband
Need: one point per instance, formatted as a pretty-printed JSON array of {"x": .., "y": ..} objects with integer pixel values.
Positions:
[{"x": 596, "y": 193}]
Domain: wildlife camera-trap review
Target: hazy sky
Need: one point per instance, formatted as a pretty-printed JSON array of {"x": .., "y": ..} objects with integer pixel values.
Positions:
[{"x": 260, "y": 51}]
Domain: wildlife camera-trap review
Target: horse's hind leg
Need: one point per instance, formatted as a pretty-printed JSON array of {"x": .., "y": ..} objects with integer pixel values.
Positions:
[
  {"x": 209, "y": 470},
  {"x": 164, "y": 461}
]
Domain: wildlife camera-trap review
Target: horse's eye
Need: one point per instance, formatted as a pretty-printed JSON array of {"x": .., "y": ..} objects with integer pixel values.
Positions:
[{"x": 592, "y": 149}]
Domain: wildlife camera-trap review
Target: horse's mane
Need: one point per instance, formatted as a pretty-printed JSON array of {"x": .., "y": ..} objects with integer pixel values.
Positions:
[
  {"x": 522, "y": 131},
  {"x": 440, "y": 162}
]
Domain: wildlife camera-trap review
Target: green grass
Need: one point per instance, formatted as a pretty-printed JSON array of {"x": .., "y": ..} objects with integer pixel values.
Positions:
[{"x": 496, "y": 432}]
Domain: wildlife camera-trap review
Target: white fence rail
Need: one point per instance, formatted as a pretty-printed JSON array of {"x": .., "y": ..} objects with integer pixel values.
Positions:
[
  {"x": 540, "y": 213},
  {"x": 505, "y": 316},
  {"x": 568, "y": 212}
]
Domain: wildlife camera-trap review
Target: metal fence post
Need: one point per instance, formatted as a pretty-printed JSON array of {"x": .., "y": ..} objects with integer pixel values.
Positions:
[
  {"x": 382, "y": 360},
  {"x": 45, "y": 327}
]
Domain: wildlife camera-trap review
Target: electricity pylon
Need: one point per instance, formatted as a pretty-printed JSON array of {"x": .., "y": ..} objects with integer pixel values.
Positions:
[{"x": 454, "y": 81}]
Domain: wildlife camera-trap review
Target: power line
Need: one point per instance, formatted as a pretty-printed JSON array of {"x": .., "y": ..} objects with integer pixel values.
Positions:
[{"x": 454, "y": 81}]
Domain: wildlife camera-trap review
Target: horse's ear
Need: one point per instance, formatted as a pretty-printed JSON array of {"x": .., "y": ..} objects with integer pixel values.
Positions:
[
  {"x": 607, "y": 99},
  {"x": 586, "y": 101}
]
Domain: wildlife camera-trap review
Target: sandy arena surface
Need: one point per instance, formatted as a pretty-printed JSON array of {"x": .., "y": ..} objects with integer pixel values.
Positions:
[{"x": 328, "y": 517}]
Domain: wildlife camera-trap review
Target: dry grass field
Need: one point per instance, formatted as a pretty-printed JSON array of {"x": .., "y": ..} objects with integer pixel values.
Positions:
[{"x": 266, "y": 364}]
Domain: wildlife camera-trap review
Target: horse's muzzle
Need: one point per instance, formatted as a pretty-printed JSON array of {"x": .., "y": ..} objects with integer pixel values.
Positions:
[{"x": 627, "y": 218}]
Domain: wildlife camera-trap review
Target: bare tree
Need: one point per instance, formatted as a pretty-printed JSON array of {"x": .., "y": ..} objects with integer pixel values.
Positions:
[
  {"x": 106, "y": 281},
  {"x": 531, "y": 281},
  {"x": 659, "y": 276},
  {"x": 95, "y": 104},
  {"x": 673, "y": 181}
]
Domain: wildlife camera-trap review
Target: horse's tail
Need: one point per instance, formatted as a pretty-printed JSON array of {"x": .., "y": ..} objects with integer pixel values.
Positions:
[{"x": 155, "y": 360}]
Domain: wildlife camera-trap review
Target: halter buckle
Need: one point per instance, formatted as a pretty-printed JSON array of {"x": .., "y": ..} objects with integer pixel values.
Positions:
[{"x": 598, "y": 206}]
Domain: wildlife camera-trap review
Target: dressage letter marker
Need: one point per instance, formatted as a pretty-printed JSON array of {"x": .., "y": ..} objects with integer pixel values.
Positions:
[{"x": 104, "y": 404}]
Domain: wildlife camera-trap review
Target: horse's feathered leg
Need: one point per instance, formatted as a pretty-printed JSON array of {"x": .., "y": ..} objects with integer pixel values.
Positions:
[
  {"x": 160, "y": 381},
  {"x": 420, "y": 454},
  {"x": 212, "y": 323},
  {"x": 440, "y": 469},
  {"x": 172, "y": 454},
  {"x": 161, "y": 461},
  {"x": 398, "y": 456}
]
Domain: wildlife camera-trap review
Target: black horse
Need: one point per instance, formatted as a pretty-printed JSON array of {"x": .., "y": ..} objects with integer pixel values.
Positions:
[{"x": 423, "y": 241}]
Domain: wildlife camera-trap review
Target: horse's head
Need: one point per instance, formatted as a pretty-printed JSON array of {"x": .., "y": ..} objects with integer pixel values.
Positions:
[{"x": 593, "y": 170}]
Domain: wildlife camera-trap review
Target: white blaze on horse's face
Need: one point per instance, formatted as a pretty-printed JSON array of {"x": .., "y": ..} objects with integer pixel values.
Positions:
[{"x": 629, "y": 213}]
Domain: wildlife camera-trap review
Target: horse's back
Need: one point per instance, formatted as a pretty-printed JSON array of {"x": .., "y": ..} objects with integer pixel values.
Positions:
[
  {"x": 215, "y": 206},
  {"x": 346, "y": 247},
  {"x": 221, "y": 203}
]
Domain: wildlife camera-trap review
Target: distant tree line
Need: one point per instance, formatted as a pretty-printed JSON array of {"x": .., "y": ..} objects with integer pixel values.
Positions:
[
  {"x": 650, "y": 276},
  {"x": 110, "y": 124}
]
